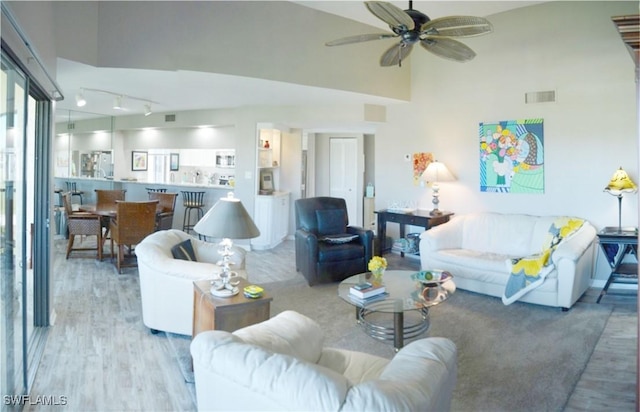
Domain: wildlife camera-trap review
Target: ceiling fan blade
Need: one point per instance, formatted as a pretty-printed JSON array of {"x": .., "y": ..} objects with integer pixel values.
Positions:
[
  {"x": 448, "y": 48},
  {"x": 360, "y": 38},
  {"x": 458, "y": 26},
  {"x": 390, "y": 14},
  {"x": 395, "y": 54}
]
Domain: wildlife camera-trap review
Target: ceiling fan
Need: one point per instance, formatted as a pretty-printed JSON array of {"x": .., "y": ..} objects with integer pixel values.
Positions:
[{"x": 412, "y": 26}]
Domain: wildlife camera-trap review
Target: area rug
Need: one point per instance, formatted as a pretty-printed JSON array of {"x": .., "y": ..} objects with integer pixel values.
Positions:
[{"x": 520, "y": 357}]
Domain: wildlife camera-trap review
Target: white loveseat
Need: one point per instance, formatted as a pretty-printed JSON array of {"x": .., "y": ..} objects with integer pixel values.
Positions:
[
  {"x": 475, "y": 248},
  {"x": 166, "y": 284},
  {"x": 281, "y": 365}
]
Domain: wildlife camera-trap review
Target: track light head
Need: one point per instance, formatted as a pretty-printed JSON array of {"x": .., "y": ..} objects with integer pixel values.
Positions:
[
  {"x": 147, "y": 109},
  {"x": 117, "y": 103},
  {"x": 80, "y": 100}
]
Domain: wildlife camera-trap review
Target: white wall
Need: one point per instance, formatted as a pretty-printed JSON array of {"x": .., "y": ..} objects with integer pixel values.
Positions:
[{"x": 570, "y": 47}]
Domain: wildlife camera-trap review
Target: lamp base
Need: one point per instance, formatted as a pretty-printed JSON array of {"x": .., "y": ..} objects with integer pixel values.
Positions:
[
  {"x": 436, "y": 212},
  {"x": 224, "y": 293}
]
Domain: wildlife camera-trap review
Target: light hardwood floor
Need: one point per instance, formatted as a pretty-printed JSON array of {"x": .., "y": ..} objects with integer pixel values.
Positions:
[{"x": 101, "y": 357}]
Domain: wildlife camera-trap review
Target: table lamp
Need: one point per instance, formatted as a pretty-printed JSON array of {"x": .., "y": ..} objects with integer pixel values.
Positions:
[
  {"x": 227, "y": 219},
  {"x": 434, "y": 173},
  {"x": 619, "y": 185}
]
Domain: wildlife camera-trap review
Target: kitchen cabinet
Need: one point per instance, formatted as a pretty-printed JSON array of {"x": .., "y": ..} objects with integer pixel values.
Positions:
[{"x": 272, "y": 219}]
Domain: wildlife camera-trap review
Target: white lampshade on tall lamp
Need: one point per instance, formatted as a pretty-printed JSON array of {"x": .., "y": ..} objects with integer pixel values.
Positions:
[
  {"x": 619, "y": 185},
  {"x": 226, "y": 220},
  {"x": 435, "y": 173}
]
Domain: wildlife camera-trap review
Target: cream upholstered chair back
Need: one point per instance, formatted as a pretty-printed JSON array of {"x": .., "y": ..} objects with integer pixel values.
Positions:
[
  {"x": 166, "y": 283},
  {"x": 282, "y": 364}
]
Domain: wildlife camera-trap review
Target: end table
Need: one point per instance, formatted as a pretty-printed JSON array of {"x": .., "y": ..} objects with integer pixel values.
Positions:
[
  {"x": 616, "y": 244},
  {"x": 232, "y": 313}
]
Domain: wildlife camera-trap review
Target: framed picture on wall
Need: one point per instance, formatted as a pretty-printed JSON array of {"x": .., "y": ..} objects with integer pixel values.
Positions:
[
  {"x": 174, "y": 161},
  {"x": 139, "y": 160}
]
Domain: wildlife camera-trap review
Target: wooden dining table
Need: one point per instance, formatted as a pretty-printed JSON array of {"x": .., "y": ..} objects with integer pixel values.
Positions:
[{"x": 107, "y": 210}]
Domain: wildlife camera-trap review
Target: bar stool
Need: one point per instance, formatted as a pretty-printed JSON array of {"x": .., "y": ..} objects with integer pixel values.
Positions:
[
  {"x": 71, "y": 188},
  {"x": 59, "y": 192},
  {"x": 192, "y": 201},
  {"x": 155, "y": 190}
]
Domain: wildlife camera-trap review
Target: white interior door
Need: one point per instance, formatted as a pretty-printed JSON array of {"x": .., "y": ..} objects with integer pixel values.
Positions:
[{"x": 343, "y": 177}]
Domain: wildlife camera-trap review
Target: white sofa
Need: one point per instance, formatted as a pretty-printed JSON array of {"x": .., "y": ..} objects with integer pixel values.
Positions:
[
  {"x": 166, "y": 284},
  {"x": 475, "y": 248},
  {"x": 281, "y": 365}
]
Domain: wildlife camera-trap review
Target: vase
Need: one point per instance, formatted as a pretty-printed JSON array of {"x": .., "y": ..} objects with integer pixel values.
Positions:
[{"x": 377, "y": 274}]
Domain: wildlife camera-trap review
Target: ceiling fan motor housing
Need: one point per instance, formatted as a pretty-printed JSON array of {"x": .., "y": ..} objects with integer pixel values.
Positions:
[{"x": 411, "y": 36}]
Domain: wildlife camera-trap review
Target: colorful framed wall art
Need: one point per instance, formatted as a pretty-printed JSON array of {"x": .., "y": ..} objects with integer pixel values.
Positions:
[
  {"x": 420, "y": 163},
  {"x": 512, "y": 156}
]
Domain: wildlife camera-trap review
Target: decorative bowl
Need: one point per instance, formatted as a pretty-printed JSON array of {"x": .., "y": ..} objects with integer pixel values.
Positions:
[{"x": 432, "y": 277}]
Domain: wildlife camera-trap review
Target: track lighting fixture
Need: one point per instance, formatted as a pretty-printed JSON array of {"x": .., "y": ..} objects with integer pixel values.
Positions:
[
  {"x": 117, "y": 103},
  {"x": 117, "y": 99},
  {"x": 80, "y": 101}
]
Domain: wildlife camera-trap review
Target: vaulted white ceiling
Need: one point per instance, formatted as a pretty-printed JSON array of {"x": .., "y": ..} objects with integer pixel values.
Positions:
[{"x": 190, "y": 90}]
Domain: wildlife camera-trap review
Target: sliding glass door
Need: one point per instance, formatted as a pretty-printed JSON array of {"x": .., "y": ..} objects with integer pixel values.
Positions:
[{"x": 24, "y": 233}]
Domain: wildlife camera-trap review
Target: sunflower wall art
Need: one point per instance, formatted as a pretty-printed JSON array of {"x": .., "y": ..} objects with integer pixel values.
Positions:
[{"x": 512, "y": 156}]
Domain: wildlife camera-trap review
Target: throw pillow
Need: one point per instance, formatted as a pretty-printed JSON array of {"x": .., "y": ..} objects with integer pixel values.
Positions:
[
  {"x": 184, "y": 251},
  {"x": 331, "y": 221},
  {"x": 338, "y": 239}
]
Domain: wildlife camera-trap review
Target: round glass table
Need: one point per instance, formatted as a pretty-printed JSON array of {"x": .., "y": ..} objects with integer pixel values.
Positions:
[{"x": 404, "y": 293}]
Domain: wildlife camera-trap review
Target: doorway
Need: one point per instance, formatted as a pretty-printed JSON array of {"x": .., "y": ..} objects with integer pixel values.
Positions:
[{"x": 343, "y": 174}]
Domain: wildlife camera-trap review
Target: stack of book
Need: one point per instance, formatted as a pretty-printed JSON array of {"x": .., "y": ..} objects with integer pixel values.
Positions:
[{"x": 367, "y": 291}]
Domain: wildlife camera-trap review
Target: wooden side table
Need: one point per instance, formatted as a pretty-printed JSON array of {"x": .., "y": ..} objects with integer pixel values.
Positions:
[
  {"x": 229, "y": 314},
  {"x": 419, "y": 218},
  {"x": 616, "y": 244}
]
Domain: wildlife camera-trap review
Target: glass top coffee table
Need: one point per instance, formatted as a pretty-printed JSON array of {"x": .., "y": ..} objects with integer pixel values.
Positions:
[{"x": 405, "y": 293}]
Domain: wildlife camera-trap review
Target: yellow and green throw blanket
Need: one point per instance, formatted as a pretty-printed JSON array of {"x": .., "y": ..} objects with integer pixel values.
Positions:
[{"x": 527, "y": 273}]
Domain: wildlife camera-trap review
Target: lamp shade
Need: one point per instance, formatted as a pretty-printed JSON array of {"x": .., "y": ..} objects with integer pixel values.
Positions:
[
  {"x": 620, "y": 183},
  {"x": 227, "y": 219},
  {"x": 437, "y": 172}
]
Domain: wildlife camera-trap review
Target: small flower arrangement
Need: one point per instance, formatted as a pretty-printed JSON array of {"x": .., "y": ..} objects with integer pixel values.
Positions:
[{"x": 377, "y": 263}]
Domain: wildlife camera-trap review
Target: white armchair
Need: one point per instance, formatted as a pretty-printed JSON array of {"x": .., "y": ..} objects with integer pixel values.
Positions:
[
  {"x": 281, "y": 364},
  {"x": 166, "y": 284}
]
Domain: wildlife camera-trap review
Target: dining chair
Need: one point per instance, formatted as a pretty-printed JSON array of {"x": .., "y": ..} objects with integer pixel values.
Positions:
[
  {"x": 83, "y": 224},
  {"x": 166, "y": 209},
  {"x": 106, "y": 199},
  {"x": 109, "y": 197},
  {"x": 133, "y": 222}
]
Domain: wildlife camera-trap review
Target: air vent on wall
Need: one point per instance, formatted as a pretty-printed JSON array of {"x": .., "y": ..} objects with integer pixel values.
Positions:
[
  {"x": 540, "y": 97},
  {"x": 169, "y": 117}
]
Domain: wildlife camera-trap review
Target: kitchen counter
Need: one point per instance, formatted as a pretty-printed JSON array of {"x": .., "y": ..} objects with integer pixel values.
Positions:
[
  {"x": 136, "y": 190},
  {"x": 102, "y": 179}
]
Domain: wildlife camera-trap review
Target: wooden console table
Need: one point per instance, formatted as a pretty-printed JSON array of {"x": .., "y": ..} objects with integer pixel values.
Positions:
[
  {"x": 421, "y": 218},
  {"x": 229, "y": 314},
  {"x": 616, "y": 245}
]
